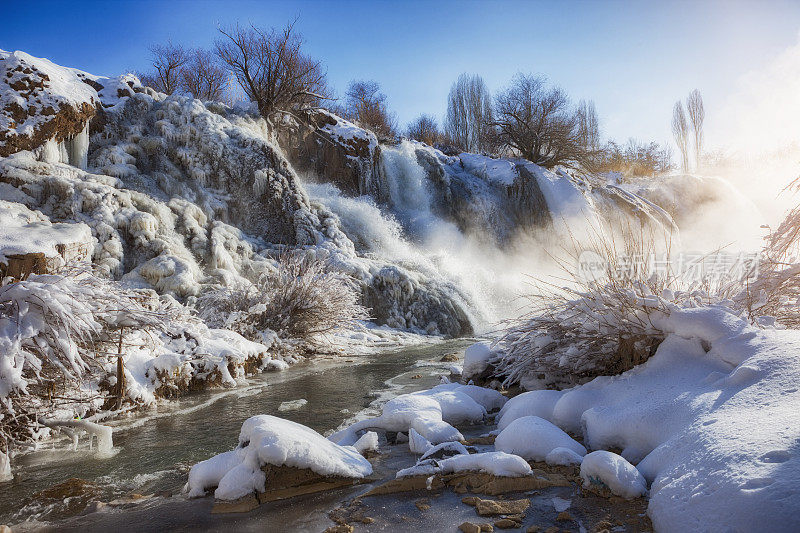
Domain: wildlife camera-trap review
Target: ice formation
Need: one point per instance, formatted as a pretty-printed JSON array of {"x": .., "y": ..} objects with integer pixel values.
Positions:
[{"x": 266, "y": 439}]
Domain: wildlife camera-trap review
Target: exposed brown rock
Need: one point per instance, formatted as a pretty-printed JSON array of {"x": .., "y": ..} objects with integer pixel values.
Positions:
[
  {"x": 340, "y": 528},
  {"x": 423, "y": 505},
  {"x": 487, "y": 440},
  {"x": 242, "y": 505},
  {"x": 287, "y": 481},
  {"x": 469, "y": 527},
  {"x": 564, "y": 516},
  {"x": 350, "y": 164},
  {"x": 507, "y": 523},
  {"x": 74, "y": 493},
  {"x": 501, "y": 507},
  {"x": 451, "y": 357}
]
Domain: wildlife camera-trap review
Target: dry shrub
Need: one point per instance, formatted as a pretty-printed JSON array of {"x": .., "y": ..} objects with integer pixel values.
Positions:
[
  {"x": 602, "y": 325},
  {"x": 776, "y": 290},
  {"x": 303, "y": 298}
]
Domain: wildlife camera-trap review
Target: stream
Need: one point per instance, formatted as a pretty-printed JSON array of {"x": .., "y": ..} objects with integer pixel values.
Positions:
[{"x": 153, "y": 451}]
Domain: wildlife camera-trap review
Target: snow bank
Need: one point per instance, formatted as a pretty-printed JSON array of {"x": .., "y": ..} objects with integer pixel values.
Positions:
[
  {"x": 710, "y": 421},
  {"x": 609, "y": 469},
  {"x": 497, "y": 463},
  {"x": 266, "y": 439},
  {"x": 431, "y": 414},
  {"x": 533, "y": 438}
]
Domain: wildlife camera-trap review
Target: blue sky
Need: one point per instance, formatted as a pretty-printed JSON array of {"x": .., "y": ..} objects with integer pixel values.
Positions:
[{"x": 633, "y": 58}]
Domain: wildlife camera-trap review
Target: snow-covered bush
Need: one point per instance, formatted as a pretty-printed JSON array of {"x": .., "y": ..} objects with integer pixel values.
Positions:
[
  {"x": 303, "y": 298},
  {"x": 56, "y": 329}
]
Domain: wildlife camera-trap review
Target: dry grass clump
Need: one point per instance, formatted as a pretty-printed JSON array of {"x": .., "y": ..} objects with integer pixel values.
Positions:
[
  {"x": 598, "y": 325},
  {"x": 776, "y": 291},
  {"x": 303, "y": 298}
]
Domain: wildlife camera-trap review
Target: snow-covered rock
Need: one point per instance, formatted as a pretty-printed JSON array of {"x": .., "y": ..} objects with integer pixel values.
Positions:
[
  {"x": 368, "y": 442},
  {"x": 496, "y": 463},
  {"x": 533, "y": 438},
  {"x": 430, "y": 414},
  {"x": 264, "y": 440},
  {"x": 613, "y": 471},
  {"x": 43, "y": 105}
]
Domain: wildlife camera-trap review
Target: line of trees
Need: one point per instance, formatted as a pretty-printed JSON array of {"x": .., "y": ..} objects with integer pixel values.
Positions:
[{"x": 529, "y": 118}]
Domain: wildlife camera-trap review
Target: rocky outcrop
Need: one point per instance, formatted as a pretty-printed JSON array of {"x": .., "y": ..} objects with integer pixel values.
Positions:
[
  {"x": 40, "y": 102},
  {"x": 331, "y": 149}
]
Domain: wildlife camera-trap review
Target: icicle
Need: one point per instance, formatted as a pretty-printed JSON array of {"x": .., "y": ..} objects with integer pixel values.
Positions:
[
  {"x": 5, "y": 468},
  {"x": 77, "y": 148}
]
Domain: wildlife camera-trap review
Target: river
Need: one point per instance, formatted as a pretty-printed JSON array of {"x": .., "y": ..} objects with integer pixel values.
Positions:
[{"x": 153, "y": 451}]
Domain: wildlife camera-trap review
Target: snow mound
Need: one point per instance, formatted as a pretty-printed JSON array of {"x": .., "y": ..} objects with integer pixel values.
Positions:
[
  {"x": 266, "y": 439},
  {"x": 496, "y": 463},
  {"x": 563, "y": 457},
  {"x": 611, "y": 470},
  {"x": 533, "y": 438},
  {"x": 476, "y": 359},
  {"x": 430, "y": 414}
]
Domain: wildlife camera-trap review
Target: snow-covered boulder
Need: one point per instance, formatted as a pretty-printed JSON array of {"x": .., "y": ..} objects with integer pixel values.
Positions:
[
  {"x": 268, "y": 440},
  {"x": 476, "y": 359},
  {"x": 533, "y": 438},
  {"x": 613, "y": 471},
  {"x": 430, "y": 414},
  {"x": 30, "y": 243}
]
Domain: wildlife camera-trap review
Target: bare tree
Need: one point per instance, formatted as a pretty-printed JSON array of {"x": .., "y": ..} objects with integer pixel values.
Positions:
[
  {"x": 469, "y": 114},
  {"x": 203, "y": 76},
  {"x": 697, "y": 114},
  {"x": 168, "y": 59},
  {"x": 424, "y": 129},
  {"x": 588, "y": 125},
  {"x": 680, "y": 130},
  {"x": 538, "y": 123},
  {"x": 366, "y": 104},
  {"x": 272, "y": 69}
]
